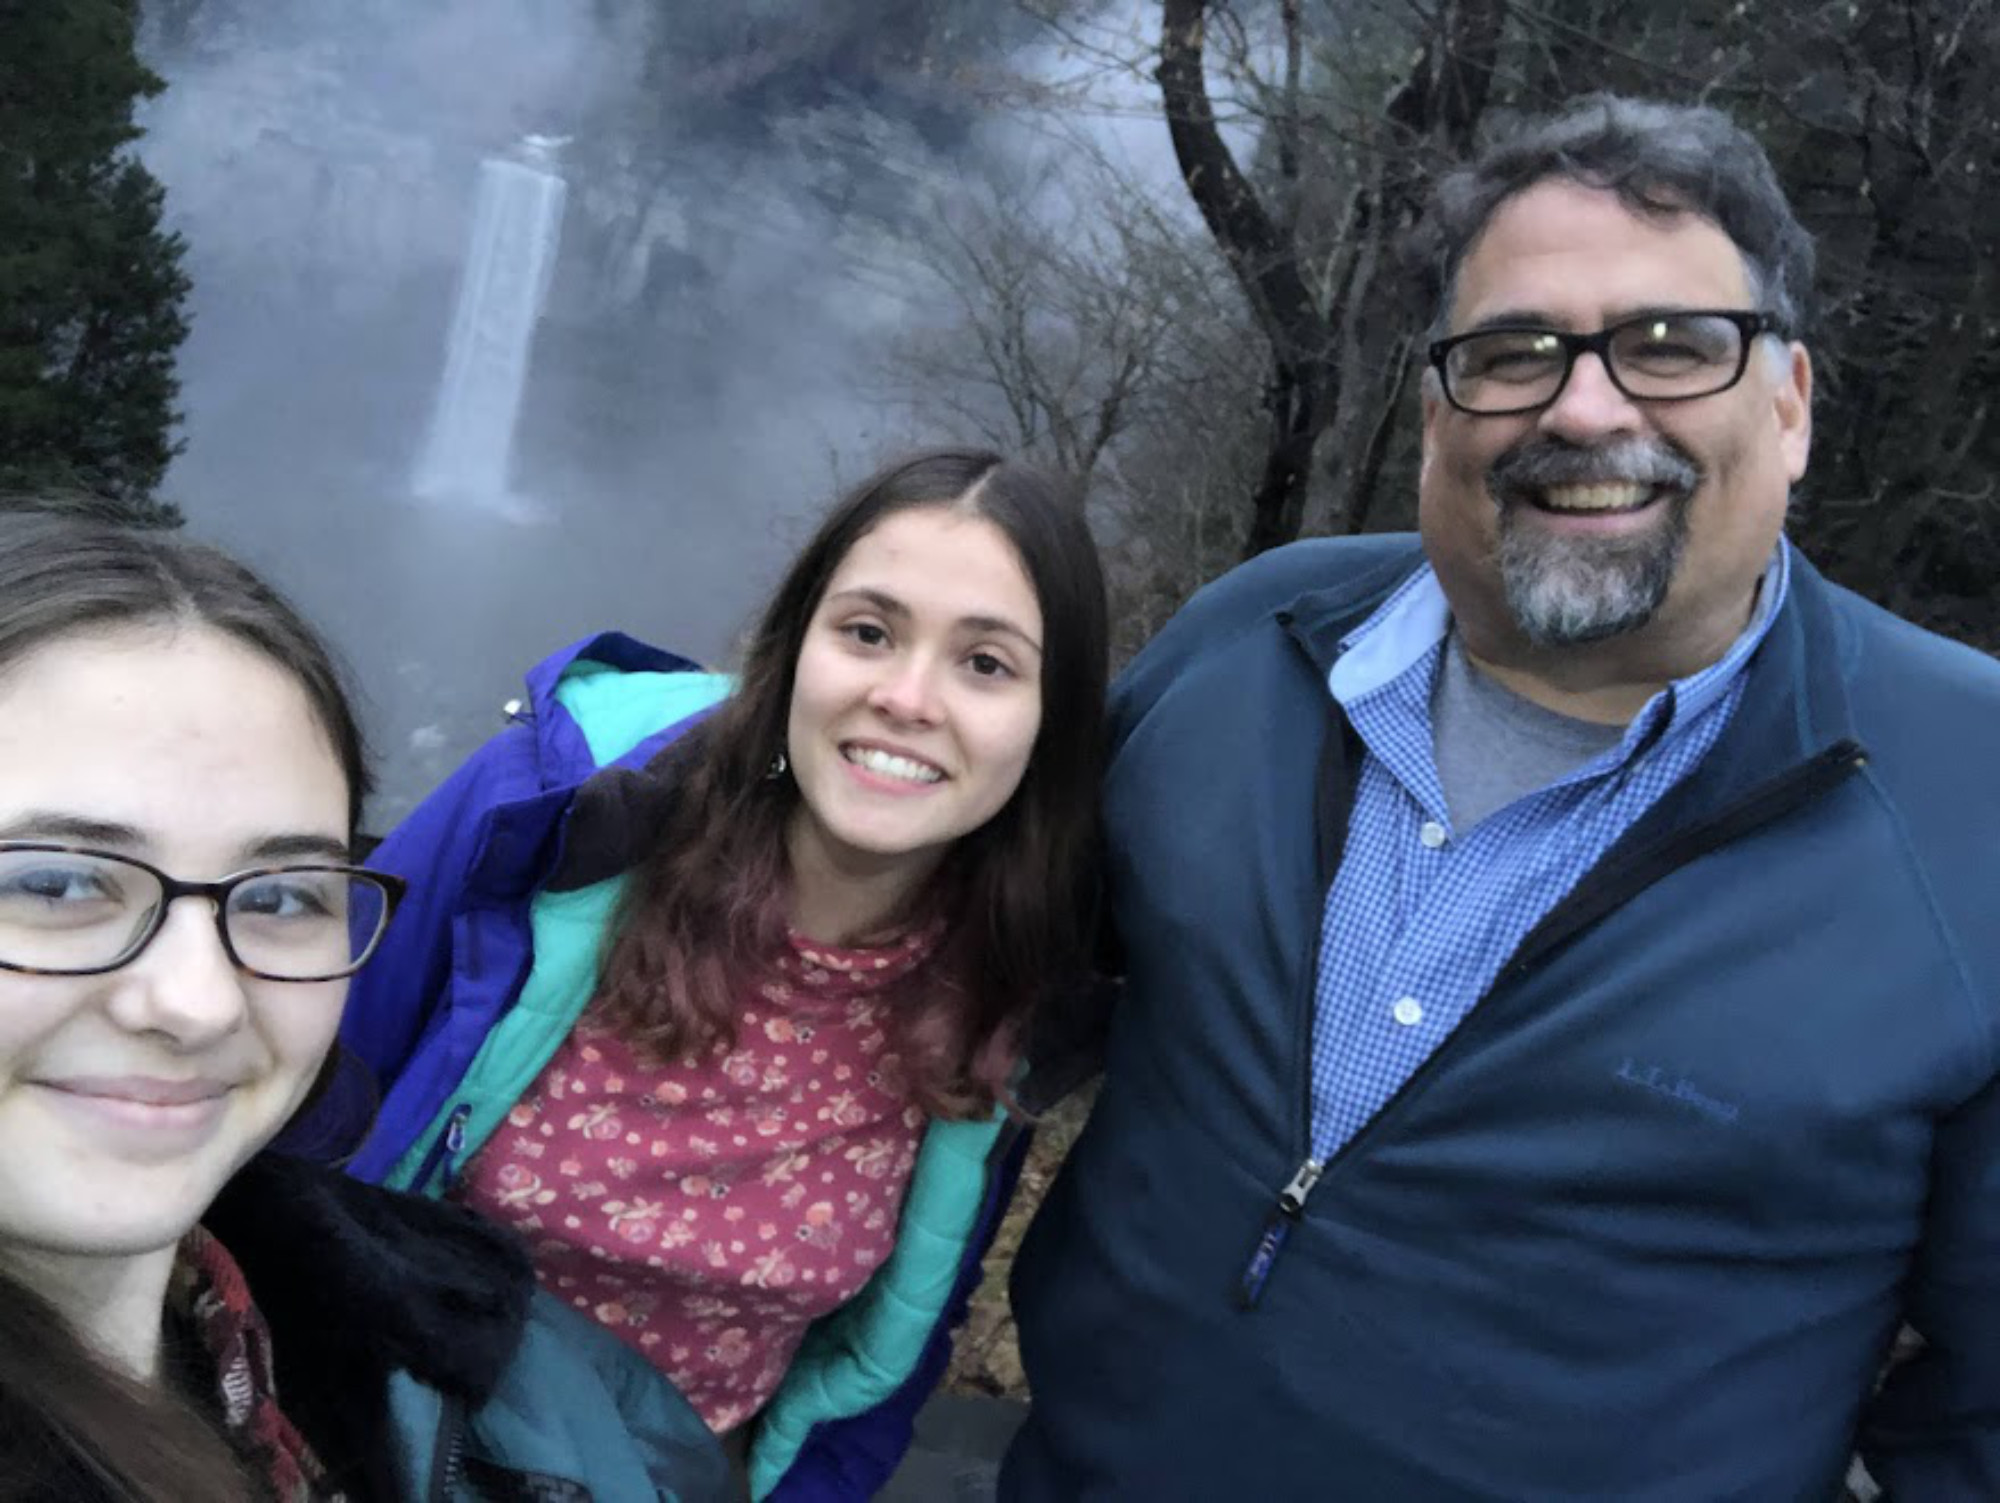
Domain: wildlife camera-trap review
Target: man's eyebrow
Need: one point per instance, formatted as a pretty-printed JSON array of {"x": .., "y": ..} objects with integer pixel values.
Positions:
[
  {"x": 1513, "y": 318},
  {"x": 1536, "y": 318},
  {"x": 893, "y": 608}
]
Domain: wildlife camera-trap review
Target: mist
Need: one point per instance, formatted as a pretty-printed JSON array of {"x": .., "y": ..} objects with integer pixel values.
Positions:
[{"x": 734, "y": 258}]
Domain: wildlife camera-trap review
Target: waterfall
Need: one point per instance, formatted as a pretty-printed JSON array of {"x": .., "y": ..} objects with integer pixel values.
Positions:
[{"x": 516, "y": 226}]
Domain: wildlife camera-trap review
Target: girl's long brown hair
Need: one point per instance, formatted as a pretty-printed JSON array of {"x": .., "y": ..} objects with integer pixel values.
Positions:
[
  {"x": 704, "y": 913},
  {"x": 74, "y": 1430},
  {"x": 72, "y": 1427}
]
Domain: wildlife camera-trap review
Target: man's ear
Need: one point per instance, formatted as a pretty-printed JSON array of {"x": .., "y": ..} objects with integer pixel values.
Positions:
[
  {"x": 1433, "y": 404},
  {"x": 1791, "y": 404}
]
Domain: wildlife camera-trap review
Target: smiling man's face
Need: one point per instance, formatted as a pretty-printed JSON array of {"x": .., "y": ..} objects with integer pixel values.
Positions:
[{"x": 1599, "y": 517}]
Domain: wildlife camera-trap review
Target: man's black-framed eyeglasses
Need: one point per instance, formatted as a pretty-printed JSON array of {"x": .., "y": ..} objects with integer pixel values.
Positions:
[
  {"x": 70, "y": 911},
  {"x": 1672, "y": 356}
]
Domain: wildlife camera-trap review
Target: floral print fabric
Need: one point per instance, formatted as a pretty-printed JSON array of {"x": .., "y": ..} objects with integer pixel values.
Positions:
[{"x": 708, "y": 1210}]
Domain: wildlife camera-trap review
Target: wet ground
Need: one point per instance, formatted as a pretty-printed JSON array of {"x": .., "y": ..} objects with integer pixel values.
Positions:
[{"x": 956, "y": 1456}]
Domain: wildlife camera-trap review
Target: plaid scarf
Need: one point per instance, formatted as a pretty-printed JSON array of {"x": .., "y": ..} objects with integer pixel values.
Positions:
[{"x": 209, "y": 1286}]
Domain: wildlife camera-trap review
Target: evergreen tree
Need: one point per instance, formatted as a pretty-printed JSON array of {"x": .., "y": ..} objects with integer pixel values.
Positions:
[{"x": 91, "y": 287}]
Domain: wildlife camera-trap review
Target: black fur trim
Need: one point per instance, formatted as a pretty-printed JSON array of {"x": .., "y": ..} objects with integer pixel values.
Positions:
[
  {"x": 355, "y": 1282},
  {"x": 615, "y": 819}
]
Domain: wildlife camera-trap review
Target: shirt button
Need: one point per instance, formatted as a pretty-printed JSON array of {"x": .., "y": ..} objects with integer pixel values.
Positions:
[
  {"x": 1408, "y": 1011},
  {"x": 1432, "y": 835}
]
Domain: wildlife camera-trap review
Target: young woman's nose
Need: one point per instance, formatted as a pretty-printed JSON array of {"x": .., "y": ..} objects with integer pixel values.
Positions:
[
  {"x": 183, "y": 985},
  {"x": 908, "y": 690}
]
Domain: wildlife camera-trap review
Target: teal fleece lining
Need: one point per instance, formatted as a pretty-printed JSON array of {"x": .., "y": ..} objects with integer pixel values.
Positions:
[
  {"x": 857, "y": 1356},
  {"x": 566, "y": 929},
  {"x": 616, "y": 711},
  {"x": 851, "y": 1359}
]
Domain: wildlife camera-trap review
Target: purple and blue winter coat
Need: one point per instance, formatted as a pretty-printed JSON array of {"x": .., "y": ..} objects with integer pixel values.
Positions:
[{"x": 514, "y": 866}]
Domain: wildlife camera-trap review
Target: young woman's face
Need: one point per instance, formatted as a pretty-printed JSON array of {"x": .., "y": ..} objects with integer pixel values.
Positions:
[
  {"x": 128, "y": 1099},
  {"x": 918, "y": 694}
]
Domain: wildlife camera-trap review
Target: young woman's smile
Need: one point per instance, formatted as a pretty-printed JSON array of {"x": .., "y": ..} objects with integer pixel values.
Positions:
[
  {"x": 917, "y": 698},
  {"x": 129, "y": 1097}
]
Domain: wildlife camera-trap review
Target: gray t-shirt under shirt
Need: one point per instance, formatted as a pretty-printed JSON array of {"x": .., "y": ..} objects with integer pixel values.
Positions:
[{"x": 1493, "y": 746}]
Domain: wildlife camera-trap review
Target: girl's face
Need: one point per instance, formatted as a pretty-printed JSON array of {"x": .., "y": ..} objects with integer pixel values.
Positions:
[
  {"x": 918, "y": 694},
  {"x": 128, "y": 1099}
]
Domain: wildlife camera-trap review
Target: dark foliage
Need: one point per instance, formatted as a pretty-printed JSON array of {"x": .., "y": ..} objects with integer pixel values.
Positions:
[
  {"x": 91, "y": 287},
  {"x": 1880, "y": 119}
]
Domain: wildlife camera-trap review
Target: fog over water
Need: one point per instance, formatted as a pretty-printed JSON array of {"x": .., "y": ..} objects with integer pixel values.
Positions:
[{"x": 733, "y": 258}]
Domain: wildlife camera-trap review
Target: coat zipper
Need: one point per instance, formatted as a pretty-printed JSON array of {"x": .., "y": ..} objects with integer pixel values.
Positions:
[
  {"x": 448, "y": 1452},
  {"x": 1333, "y": 800},
  {"x": 443, "y": 1156},
  {"x": 1585, "y": 906},
  {"x": 1277, "y": 1228}
]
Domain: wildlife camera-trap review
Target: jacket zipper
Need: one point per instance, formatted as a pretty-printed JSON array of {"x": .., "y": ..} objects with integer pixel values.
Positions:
[
  {"x": 444, "y": 1152},
  {"x": 1335, "y": 778},
  {"x": 448, "y": 1453},
  {"x": 1583, "y": 907},
  {"x": 1278, "y": 1226}
]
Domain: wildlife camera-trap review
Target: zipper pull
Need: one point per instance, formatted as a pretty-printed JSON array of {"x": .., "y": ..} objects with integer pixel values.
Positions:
[
  {"x": 1277, "y": 1227},
  {"x": 444, "y": 1153},
  {"x": 454, "y": 1141}
]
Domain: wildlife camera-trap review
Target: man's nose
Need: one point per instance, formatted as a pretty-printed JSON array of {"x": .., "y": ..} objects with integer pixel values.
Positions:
[
  {"x": 183, "y": 985},
  {"x": 1590, "y": 406}
]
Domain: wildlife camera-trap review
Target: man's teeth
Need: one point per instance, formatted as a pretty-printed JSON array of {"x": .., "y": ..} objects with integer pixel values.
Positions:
[
  {"x": 1621, "y": 496},
  {"x": 891, "y": 766}
]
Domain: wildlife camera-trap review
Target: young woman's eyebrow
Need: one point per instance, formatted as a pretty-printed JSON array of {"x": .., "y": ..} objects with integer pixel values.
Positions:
[
  {"x": 78, "y": 829},
  {"x": 893, "y": 608},
  {"x": 52, "y": 824},
  {"x": 999, "y": 626},
  {"x": 298, "y": 847}
]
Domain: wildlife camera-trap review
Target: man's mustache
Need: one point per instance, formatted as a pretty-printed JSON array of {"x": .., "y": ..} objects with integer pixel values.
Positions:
[{"x": 1535, "y": 464}]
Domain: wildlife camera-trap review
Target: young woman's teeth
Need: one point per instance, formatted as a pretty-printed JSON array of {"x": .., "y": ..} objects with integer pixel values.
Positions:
[
  {"x": 1621, "y": 496},
  {"x": 890, "y": 766}
]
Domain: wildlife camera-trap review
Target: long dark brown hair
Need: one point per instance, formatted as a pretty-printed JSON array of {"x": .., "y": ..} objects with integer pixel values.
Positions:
[
  {"x": 72, "y": 1428},
  {"x": 704, "y": 913}
]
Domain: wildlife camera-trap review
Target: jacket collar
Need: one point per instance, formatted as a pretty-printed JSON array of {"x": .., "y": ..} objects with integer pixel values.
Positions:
[
  {"x": 1795, "y": 709},
  {"x": 1795, "y": 704},
  {"x": 1319, "y": 620},
  {"x": 563, "y": 753}
]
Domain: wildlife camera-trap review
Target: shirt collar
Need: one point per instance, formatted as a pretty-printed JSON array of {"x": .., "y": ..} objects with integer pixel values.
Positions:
[
  {"x": 1403, "y": 629},
  {"x": 1407, "y": 628}
]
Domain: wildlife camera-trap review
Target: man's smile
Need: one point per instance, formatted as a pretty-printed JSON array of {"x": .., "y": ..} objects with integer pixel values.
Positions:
[{"x": 1603, "y": 496}]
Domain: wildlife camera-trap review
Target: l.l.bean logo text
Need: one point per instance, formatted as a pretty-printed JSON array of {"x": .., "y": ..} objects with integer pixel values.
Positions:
[{"x": 1678, "y": 1088}]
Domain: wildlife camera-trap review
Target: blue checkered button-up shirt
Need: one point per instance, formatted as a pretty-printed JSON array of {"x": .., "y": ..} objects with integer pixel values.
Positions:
[{"x": 1421, "y": 917}]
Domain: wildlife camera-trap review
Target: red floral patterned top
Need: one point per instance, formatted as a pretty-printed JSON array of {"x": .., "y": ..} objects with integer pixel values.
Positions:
[{"x": 707, "y": 1211}]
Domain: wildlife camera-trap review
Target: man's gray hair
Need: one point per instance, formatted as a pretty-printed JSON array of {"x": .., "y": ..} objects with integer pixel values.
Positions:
[{"x": 1660, "y": 159}]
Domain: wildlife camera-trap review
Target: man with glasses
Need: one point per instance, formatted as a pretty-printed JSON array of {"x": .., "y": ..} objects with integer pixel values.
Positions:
[{"x": 1560, "y": 1041}]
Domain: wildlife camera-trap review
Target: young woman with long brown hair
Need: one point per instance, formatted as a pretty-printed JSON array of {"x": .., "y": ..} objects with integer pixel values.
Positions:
[
  {"x": 183, "y": 1314},
  {"x": 714, "y": 991}
]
